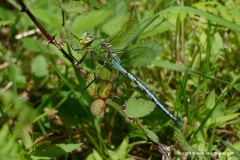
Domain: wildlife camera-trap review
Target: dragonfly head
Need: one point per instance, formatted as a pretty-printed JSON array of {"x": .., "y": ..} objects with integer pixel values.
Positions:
[{"x": 87, "y": 38}]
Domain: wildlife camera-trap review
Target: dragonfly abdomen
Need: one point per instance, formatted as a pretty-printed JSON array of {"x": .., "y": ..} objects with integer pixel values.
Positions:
[{"x": 117, "y": 65}]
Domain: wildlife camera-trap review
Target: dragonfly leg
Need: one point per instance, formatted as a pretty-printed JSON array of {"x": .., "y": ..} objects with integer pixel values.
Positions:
[
  {"x": 94, "y": 68},
  {"x": 82, "y": 59}
]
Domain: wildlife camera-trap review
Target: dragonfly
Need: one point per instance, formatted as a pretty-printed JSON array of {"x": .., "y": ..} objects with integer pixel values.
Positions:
[
  {"x": 116, "y": 64},
  {"x": 113, "y": 59}
]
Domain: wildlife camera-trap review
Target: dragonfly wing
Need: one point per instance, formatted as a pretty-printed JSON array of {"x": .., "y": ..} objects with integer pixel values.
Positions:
[
  {"x": 70, "y": 39},
  {"x": 140, "y": 56},
  {"x": 122, "y": 38}
]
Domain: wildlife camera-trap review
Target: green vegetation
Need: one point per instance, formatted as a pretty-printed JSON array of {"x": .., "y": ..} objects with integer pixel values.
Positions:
[{"x": 194, "y": 72}]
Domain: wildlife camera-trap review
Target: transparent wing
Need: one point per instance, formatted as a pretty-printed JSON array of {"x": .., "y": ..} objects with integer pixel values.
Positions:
[
  {"x": 70, "y": 39},
  {"x": 128, "y": 33},
  {"x": 141, "y": 55},
  {"x": 138, "y": 57}
]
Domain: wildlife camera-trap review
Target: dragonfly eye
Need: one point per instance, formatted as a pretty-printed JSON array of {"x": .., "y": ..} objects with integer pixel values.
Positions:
[
  {"x": 85, "y": 33},
  {"x": 90, "y": 38}
]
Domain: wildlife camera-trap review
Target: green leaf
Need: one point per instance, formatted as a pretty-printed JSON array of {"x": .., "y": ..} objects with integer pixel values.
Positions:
[
  {"x": 73, "y": 7},
  {"x": 115, "y": 106},
  {"x": 87, "y": 21},
  {"x": 39, "y": 66},
  {"x": 224, "y": 119},
  {"x": 236, "y": 152},
  {"x": 7, "y": 14},
  {"x": 97, "y": 107},
  {"x": 17, "y": 76},
  {"x": 172, "y": 66},
  {"x": 157, "y": 27},
  {"x": 122, "y": 149},
  {"x": 210, "y": 101},
  {"x": 104, "y": 73},
  {"x": 237, "y": 87},
  {"x": 211, "y": 141},
  {"x": 93, "y": 88},
  {"x": 210, "y": 17},
  {"x": 49, "y": 137},
  {"x": 51, "y": 19},
  {"x": 105, "y": 90},
  {"x": 235, "y": 145},
  {"x": 34, "y": 45},
  {"x": 136, "y": 108},
  {"x": 26, "y": 137},
  {"x": 4, "y": 23},
  {"x": 50, "y": 151},
  {"x": 114, "y": 25},
  {"x": 8, "y": 145},
  {"x": 151, "y": 135},
  {"x": 94, "y": 156}
]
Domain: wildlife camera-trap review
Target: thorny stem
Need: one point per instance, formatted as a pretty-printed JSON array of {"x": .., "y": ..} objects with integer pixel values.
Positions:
[
  {"x": 51, "y": 39},
  {"x": 161, "y": 149}
]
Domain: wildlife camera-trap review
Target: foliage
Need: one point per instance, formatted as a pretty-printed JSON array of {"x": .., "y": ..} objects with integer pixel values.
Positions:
[{"x": 193, "y": 70}]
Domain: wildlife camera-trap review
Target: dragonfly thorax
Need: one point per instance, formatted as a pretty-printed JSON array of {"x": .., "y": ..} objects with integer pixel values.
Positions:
[
  {"x": 104, "y": 43},
  {"x": 115, "y": 58}
]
